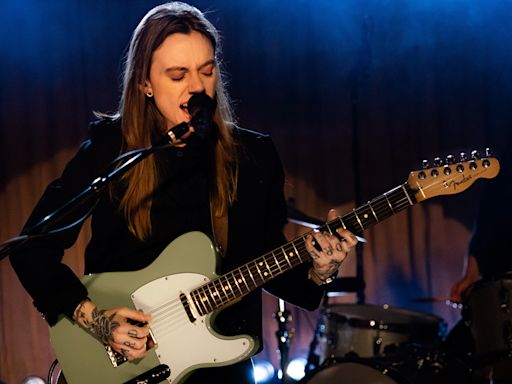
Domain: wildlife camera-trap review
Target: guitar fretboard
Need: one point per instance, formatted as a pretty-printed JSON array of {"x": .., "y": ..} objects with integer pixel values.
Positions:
[{"x": 245, "y": 279}]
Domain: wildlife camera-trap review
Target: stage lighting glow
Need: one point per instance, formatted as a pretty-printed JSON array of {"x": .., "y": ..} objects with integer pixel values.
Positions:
[
  {"x": 263, "y": 372},
  {"x": 296, "y": 368},
  {"x": 33, "y": 380}
]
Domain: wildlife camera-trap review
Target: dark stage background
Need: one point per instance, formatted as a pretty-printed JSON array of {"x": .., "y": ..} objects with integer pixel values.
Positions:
[{"x": 355, "y": 94}]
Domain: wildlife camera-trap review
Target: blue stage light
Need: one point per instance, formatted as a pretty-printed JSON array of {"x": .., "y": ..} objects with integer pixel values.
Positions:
[{"x": 263, "y": 372}]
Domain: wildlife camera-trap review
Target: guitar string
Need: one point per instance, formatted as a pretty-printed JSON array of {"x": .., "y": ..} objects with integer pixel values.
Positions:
[
  {"x": 175, "y": 307},
  {"x": 273, "y": 269}
]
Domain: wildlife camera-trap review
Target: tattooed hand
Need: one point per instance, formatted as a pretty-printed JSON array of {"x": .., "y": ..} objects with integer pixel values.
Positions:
[
  {"x": 332, "y": 248},
  {"x": 115, "y": 327}
]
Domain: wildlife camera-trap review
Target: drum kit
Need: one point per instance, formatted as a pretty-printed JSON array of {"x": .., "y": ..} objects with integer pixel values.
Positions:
[{"x": 379, "y": 344}]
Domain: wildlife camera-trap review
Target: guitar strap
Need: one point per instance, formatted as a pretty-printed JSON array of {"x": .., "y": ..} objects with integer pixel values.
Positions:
[{"x": 220, "y": 230}]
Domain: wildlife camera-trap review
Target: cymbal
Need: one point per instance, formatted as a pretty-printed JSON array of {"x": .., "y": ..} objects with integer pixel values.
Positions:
[
  {"x": 430, "y": 299},
  {"x": 436, "y": 299},
  {"x": 299, "y": 217}
]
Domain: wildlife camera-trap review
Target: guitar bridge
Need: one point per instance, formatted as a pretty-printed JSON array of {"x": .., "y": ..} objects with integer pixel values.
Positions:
[{"x": 115, "y": 357}]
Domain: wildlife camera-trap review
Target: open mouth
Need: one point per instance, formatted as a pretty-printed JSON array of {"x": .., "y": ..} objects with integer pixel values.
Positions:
[{"x": 184, "y": 108}]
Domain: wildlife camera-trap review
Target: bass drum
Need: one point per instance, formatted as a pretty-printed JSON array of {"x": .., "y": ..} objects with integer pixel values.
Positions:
[
  {"x": 364, "y": 330},
  {"x": 410, "y": 365},
  {"x": 487, "y": 310}
]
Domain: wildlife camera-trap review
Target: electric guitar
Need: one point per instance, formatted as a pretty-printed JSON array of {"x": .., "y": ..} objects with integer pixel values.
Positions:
[{"x": 183, "y": 293}]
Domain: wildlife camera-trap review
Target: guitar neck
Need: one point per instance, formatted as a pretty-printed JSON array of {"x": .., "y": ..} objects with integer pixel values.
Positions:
[{"x": 232, "y": 286}]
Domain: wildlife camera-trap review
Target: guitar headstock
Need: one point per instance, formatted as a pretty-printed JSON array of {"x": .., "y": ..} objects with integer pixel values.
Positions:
[{"x": 451, "y": 176}]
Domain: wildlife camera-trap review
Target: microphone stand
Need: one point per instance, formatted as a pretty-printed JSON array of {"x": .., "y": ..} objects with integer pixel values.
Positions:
[
  {"x": 283, "y": 337},
  {"x": 93, "y": 190},
  {"x": 201, "y": 108}
]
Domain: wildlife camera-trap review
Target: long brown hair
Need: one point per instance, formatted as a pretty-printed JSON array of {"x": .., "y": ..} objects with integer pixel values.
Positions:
[{"x": 140, "y": 117}]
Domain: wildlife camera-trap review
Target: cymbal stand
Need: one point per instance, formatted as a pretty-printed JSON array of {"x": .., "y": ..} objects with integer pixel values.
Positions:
[{"x": 284, "y": 337}]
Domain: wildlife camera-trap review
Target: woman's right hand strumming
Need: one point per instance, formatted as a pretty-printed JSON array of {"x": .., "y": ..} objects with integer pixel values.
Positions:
[{"x": 126, "y": 330}]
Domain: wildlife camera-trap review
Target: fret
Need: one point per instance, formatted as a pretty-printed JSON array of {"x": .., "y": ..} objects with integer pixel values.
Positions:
[
  {"x": 390, "y": 206},
  {"x": 291, "y": 254},
  {"x": 224, "y": 296},
  {"x": 228, "y": 288},
  {"x": 286, "y": 257},
  {"x": 250, "y": 275},
  {"x": 373, "y": 212},
  {"x": 342, "y": 223},
  {"x": 366, "y": 216},
  {"x": 296, "y": 251},
  {"x": 213, "y": 294},
  {"x": 258, "y": 278},
  {"x": 268, "y": 268},
  {"x": 264, "y": 266},
  {"x": 204, "y": 300},
  {"x": 236, "y": 282},
  {"x": 243, "y": 279},
  {"x": 358, "y": 220},
  {"x": 277, "y": 262},
  {"x": 259, "y": 271},
  {"x": 407, "y": 195},
  {"x": 200, "y": 308}
]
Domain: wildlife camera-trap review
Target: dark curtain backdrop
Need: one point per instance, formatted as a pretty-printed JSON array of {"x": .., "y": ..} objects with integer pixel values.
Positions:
[{"x": 354, "y": 93}]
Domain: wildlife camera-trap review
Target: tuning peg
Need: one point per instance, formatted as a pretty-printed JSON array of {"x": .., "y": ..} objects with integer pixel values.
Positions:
[
  {"x": 438, "y": 162},
  {"x": 463, "y": 157},
  {"x": 488, "y": 152},
  {"x": 450, "y": 159},
  {"x": 475, "y": 154},
  {"x": 424, "y": 163}
]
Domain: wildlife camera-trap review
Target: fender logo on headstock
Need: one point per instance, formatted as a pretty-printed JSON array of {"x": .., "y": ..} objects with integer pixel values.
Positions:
[{"x": 454, "y": 184}]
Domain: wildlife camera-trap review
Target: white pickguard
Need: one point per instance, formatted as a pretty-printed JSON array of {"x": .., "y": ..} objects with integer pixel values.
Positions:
[{"x": 172, "y": 328}]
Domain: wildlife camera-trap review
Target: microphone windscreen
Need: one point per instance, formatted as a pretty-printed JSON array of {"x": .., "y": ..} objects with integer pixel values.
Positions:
[
  {"x": 201, "y": 107},
  {"x": 200, "y": 102}
]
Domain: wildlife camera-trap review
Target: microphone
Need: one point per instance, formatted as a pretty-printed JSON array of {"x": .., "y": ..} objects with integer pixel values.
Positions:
[{"x": 201, "y": 107}]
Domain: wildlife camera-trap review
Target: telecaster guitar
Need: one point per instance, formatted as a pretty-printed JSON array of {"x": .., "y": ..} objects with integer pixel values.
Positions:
[{"x": 183, "y": 293}]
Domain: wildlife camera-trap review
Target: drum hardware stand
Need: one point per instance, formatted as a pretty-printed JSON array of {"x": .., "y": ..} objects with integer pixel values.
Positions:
[
  {"x": 284, "y": 337},
  {"x": 313, "y": 359}
]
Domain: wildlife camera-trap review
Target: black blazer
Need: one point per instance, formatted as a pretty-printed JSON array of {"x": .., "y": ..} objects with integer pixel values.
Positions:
[{"x": 181, "y": 204}]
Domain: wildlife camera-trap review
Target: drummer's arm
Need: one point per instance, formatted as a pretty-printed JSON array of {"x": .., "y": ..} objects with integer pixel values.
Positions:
[{"x": 471, "y": 273}]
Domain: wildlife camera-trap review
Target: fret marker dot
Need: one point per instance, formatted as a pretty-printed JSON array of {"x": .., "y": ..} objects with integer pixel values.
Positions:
[{"x": 365, "y": 215}]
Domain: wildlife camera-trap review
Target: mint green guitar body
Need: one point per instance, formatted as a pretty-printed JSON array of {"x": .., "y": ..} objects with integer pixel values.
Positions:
[{"x": 182, "y": 343}]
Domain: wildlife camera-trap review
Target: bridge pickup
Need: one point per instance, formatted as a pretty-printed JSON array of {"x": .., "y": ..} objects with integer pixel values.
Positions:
[{"x": 115, "y": 357}]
